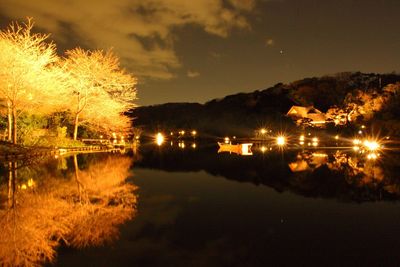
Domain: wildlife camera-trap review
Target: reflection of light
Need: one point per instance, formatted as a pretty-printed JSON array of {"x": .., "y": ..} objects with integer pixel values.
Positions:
[
  {"x": 159, "y": 139},
  {"x": 320, "y": 155},
  {"x": 371, "y": 145},
  {"x": 372, "y": 156},
  {"x": 315, "y": 141},
  {"x": 194, "y": 145},
  {"x": 263, "y": 149},
  {"x": 226, "y": 140},
  {"x": 280, "y": 140},
  {"x": 301, "y": 138},
  {"x": 356, "y": 141}
]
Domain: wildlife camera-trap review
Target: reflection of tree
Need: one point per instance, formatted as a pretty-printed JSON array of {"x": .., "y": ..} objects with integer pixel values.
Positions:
[
  {"x": 105, "y": 201},
  {"x": 36, "y": 219}
]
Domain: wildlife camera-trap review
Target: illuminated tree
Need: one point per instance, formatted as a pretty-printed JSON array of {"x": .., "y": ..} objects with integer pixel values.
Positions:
[
  {"x": 27, "y": 72},
  {"x": 100, "y": 90}
]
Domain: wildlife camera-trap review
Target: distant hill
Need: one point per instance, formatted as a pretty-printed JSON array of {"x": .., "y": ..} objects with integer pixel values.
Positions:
[{"x": 241, "y": 113}]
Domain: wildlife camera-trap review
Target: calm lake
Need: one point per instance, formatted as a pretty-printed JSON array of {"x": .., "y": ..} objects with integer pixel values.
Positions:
[{"x": 187, "y": 205}]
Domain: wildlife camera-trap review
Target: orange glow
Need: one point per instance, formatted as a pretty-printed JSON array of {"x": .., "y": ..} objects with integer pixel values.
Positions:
[
  {"x": 281, "y": 140},
  {"x": 372, "y": 156},
  {"x": 159, "y": 139},
  {"x": 356, "y": 142},
  {"x": 371, "y": 145}
]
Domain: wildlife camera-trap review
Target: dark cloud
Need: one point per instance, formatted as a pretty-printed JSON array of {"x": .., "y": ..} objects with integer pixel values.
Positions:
[{"x": 140, "y": 32}]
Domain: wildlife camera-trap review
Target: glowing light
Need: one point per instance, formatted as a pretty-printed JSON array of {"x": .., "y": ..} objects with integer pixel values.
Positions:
[
  {"x": 194, "y": 145},
  {"x": 315, "y": 143},
  {"x": 301, "y": 138},
  {"x": 226, "y": 140},
  {"x": 159, "y": 139},
  {"x": 371, "y": 145},
  {"x": 101, "y": 137},
  {"x": 372, "y": 156},
  {"x": 315, "y": 140},
  {"x": 171, "y": 133},
  {"x": 263, "y": 149},
  {"x": 356, "y": 142},
  {"x": 356, "y": 148},
  {"x": 181, "y": 145},
  {"x": 280, "y": 140},
  {"x": 362, "y": 126},
  {"x": 302, "y": 143},
  {"x": 182, "y": 132},
  {"x": 194, "y": 133},
  {"x": 320, "y": 155},
  {"x": 31, "y": 183},
  {"x": 263, "y": 131},
  {"x": 359, "y": 132},
  {"x": 337, "y": 137}
]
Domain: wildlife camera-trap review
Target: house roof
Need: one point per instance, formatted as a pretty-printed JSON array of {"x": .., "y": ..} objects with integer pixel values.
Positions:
[
  {"x": 316, "y": 117},
  {"x": 303, "y": 111}
]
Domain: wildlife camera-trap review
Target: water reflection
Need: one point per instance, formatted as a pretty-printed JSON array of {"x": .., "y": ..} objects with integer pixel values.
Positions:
[
  {"x": 342, "y": 174},
  {"x": 45, "y": 206}
]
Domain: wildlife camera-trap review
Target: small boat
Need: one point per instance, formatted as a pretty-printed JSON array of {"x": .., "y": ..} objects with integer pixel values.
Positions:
[{"x": 240, "y": 149}]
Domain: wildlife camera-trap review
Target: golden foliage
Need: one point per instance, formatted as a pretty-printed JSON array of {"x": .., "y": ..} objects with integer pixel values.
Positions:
[{"x": 82, "y": 211}]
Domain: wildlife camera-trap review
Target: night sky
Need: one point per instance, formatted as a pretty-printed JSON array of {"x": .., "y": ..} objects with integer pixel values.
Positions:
[{"x": 193, "y": 51}]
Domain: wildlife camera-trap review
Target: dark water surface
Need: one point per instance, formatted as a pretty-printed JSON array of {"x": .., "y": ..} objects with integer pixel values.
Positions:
[{"x": 195, "y": 207}]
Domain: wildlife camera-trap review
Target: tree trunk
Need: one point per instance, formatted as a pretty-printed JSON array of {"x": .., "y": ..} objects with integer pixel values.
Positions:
[
  {"x": 12, "y": 176},
  {"x": 9, "y": 122},
  {"x": 78, "y": 182},
  {"x": 76, "y": 124},
  {"x": 14, "y": 124}
]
